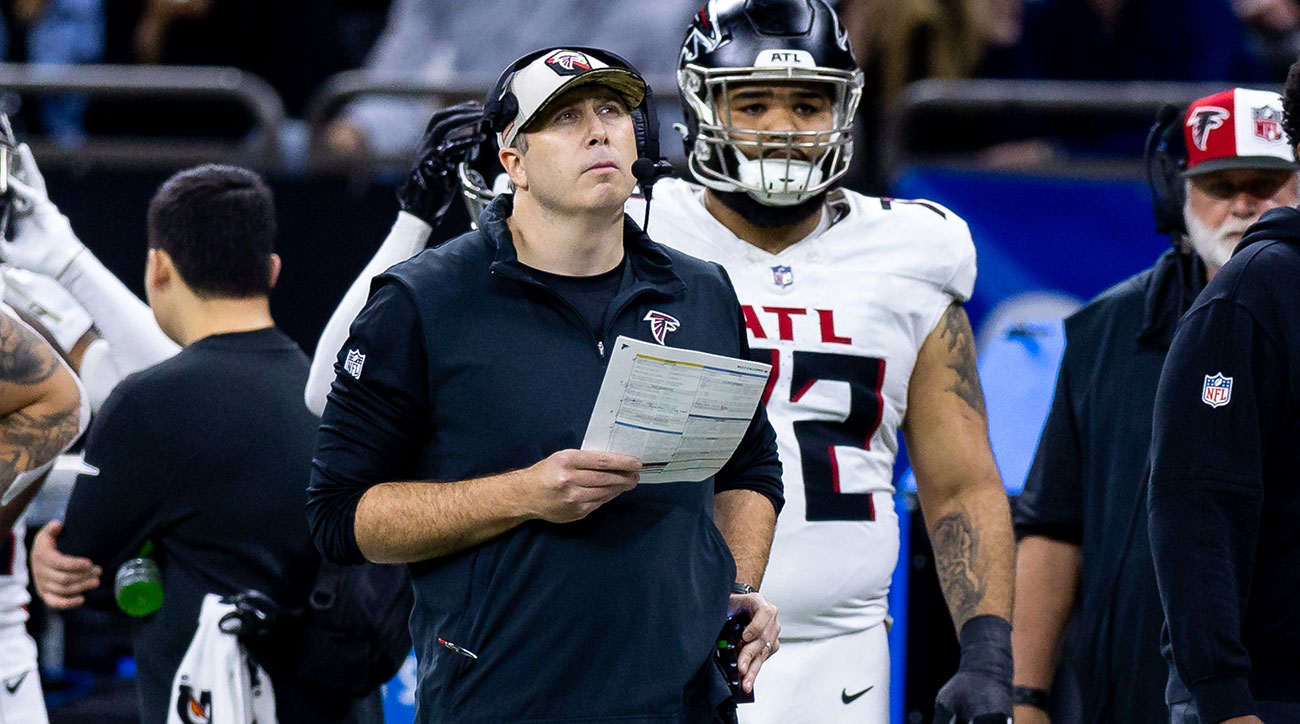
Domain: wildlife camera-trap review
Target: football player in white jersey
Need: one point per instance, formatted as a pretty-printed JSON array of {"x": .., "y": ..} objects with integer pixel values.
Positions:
[
  {"x": 856, "y": 302},
  {"x": 42, "y": 411},
  {"x": 49, "y": 276}
]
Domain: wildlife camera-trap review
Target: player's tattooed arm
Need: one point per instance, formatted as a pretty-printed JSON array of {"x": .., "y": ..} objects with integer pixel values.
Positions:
[
  {"x": 956, "y": 333},
  {"x": 39, "y": 401},
  {"x": 24, "y": 360},
  {"x": 956, "y": 543},
  {"x": 961, "y": 493}
]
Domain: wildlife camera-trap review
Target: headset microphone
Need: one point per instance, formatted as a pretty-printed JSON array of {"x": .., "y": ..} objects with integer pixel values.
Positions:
[{"x": 647, "y": 172}]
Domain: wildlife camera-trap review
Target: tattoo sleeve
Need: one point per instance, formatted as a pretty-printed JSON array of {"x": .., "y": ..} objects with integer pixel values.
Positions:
[
  {"x": 32, "y": 434},
  {"x": 956, "y": 332},
  {"x": 955, "y": 542},
  {"x": 23, "y": 359}
]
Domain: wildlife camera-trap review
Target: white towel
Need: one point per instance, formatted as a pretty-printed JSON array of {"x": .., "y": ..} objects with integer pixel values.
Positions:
[{"x": 217, "y": 682}]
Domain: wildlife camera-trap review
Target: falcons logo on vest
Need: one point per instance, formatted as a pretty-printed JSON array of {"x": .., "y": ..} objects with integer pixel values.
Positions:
[
  {"x": 1204, "y": 119},
  {"x": 661, "y": 324}
]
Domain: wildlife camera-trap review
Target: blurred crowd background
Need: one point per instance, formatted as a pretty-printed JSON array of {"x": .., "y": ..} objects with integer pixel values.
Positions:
[
  {"x": 402, "y": 48},
  {"x": 1027, "y": 117}
]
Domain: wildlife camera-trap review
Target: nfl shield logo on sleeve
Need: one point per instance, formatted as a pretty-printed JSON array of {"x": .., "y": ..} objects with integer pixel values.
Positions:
[
  {"x": 1217, "y": 391},
  {"x": 352, "y": 364}
]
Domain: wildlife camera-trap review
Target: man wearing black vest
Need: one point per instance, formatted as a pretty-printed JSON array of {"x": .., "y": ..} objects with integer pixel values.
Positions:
[{"x": 549, "y": 584}]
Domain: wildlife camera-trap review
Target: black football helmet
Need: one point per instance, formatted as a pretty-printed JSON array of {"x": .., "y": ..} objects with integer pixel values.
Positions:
[
  {"x": 753, "y": 41},
  {"x": 481, "y": 179}
]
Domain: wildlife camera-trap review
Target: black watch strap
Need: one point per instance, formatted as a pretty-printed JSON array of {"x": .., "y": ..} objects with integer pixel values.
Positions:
[
  {"x": 1029, "y": 696},
  {"x": 742, "y": 588}
]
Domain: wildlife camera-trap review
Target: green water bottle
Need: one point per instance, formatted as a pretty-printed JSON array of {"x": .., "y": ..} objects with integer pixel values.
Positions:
[{"x": 138, "y": 584}]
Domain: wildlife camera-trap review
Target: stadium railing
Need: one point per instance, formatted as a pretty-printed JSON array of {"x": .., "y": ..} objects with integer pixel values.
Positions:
[
  {"x": 1134, "y": 102},
  {"x": 259, "y": 148}
]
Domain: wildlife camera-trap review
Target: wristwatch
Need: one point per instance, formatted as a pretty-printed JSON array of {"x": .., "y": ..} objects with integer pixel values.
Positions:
[{"x": 739, "y": 587}]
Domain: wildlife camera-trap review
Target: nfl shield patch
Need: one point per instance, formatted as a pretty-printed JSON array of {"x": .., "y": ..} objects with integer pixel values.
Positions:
[
  {"x": 1268, "y": 123},
  {"x": 782, "y": 276},
  {"x": 353, "y": 362},
  {"x": 1217, "y": 391}
]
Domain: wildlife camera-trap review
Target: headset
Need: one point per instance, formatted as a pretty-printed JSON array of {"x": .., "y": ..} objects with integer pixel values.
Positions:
[
  {"x": 502, "y": 106},
  {"x": 1165, "y": 154}
]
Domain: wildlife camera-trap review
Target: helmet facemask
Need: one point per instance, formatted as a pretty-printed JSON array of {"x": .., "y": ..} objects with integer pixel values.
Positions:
[
  {"x": 8, "y": 163},
  {"x": 776, "y": 168},
  {"x": 477, "y": 192}
]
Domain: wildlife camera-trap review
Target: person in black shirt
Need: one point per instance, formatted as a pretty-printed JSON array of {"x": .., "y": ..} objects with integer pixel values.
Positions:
[
  {"x": 1224, "y": 500},
  {"x": 205, "y": 454},
  {"x": 1082, "y": 517}
]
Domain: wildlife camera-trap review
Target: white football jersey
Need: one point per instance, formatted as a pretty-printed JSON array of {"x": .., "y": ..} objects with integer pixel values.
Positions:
[
  {"x": 840, "y": 316},
  {"x": 13, "y": 566},
  {"x": 13, "y": 583}
]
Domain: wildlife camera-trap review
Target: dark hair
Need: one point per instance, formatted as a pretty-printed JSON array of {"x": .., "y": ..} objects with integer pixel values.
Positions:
[
  {"x": 1291, "y": 104},
  {"x": 218, "y": 225}
]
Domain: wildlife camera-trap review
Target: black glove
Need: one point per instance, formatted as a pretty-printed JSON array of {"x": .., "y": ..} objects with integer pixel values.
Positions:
[
  {"x": 452, "y": 137},
  {"x": 980, "y": 691}
]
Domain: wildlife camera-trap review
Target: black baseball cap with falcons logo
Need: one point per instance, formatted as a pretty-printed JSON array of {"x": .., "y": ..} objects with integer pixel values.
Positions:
[
  {"x": 544, "y": 79},
  {"x": 1238, "y": 128}
]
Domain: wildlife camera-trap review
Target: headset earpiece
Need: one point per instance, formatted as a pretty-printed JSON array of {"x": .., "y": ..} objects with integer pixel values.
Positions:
[
  {"x": 1166, "y": 159},
  {"x": 498, "y": 113}
]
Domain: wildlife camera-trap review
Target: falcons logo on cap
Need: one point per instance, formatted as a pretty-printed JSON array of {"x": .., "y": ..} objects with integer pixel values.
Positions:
[
  {"x": 1204, "y": 119},
  {"x": 568, "y": 62},
  {"x": 661, "y": 324}
]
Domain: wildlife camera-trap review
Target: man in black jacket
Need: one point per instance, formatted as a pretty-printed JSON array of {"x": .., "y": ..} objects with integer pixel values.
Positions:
[
  {"x": 1082, "y": 517},
  {"x": 549, "y": 584},
  {"x": 1225, "y": 493}
]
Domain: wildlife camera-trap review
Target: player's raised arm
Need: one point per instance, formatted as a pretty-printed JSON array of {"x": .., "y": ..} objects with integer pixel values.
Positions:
[
  {"x": 424, "y": 197},
  {"x": 44, "y": 242}
]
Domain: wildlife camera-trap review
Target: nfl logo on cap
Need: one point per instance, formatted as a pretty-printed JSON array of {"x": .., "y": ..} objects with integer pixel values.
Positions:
[
  {"x": 1217, "y": 390},
  {"x": 1268, "y": 123},
  {"x": 1238, "y": 128}
]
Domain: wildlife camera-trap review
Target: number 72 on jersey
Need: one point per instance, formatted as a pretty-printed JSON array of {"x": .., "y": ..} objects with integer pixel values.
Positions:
[{"x": 817, "y": 439}]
